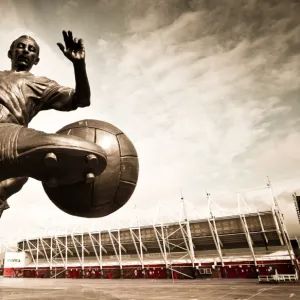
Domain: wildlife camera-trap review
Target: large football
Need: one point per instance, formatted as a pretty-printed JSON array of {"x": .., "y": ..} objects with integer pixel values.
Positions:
[{"x": 111, "y": 189}]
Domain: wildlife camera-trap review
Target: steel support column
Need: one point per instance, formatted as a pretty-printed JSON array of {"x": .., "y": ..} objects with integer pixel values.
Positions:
[
  {"x": 162, "y": 247},
  {"x": 213, "y": 229},
  {"x": 95, "y": 250},
  {"x": 76, "y": 250},
  {"x": 279, "y": 217},
  {"x": 245, "y": 227},
  {"x": 138, "y": 248},
  {"x": 43, "y": 246},
  {"x": 262, "y": 228},
  {"x": 189, "y": 244},
  {"x": 118, "y": 252},
  {"x": 31, "y": 254}
]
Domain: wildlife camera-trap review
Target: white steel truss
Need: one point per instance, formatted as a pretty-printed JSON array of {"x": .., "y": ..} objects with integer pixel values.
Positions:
[
  {"x": 135, "y": 232},
  {"x": 97, "y": 244},
  {"x": 262, "y": 228},
  {"x": 213, "y": 229},
  {"x": 117, "y": 246},
  {"x": 186, "y": 232},
  {"x": 163, "y": 236},
  {"x": 138, "y": 244},
  {"x": 241, "y": 206},
  {"x": 175, "y": 241},
  {"x": 280, "y": 223}
]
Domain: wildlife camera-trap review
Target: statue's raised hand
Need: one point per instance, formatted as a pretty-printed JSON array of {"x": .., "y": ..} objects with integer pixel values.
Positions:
[{"x": 73, "y": 49}]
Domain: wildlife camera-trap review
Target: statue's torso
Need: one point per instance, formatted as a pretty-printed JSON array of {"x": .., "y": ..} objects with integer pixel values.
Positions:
[{"x": 20, "y": 96}]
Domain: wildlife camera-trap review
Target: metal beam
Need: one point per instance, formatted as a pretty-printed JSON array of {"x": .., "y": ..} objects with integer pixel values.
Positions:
[
  {"x": 139, "y": 254},
  {"x": 117, "y": 240},
  {"x": 82, "y": 252},
  {"x": 262, "y": 228},
  {"x": 36, "y": 248},
  {"x": 81, "y": 244},
  {"x": 99, "y": 243},
  {"x": 189, "y": 245},
  {"x": 96, "y": 252},
  {"x": 161, "y": 247},
  {"x": 213, "y": 229},
  {"x": 279, "y": 233},
  {"x": 217, "y": 241},
  {"x": 100, "y": 251},
  {"x": 278, "y": 215},
  {"x": 43, "y": 246},
  {"x": 117, "y": 253},
  {"x": 59, "y": 249},
  {"x": 76, "y": 250},
  {"x": 66, "y": 252},
  {"x": 245, "y": 227},
  {"x": 32, "y": 257},
  {"x": 51, "y": 254}
]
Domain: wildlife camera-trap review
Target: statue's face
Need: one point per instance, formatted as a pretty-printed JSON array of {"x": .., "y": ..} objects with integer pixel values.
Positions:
[{"x": 24, "y": 54}]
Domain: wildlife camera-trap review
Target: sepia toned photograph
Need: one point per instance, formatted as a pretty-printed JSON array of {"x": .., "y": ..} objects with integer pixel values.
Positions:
[{"x": 149, "y": 149}]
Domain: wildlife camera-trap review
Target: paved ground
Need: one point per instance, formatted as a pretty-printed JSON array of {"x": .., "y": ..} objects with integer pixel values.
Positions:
[{"x": 67, "y": 289}]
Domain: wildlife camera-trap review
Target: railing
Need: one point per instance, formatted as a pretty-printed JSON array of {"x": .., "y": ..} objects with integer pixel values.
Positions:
[{"x": 278, "y": 278}]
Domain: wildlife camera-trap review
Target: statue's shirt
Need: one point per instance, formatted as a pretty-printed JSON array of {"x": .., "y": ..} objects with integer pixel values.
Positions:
[{"x": 23, "y": 95}]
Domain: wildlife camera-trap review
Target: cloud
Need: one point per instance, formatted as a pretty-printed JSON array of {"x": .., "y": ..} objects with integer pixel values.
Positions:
[{"x": 207, "y": 91}]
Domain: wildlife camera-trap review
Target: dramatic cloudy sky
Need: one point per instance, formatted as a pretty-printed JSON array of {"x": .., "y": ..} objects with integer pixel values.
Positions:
[{"x": 208, "y": 91}]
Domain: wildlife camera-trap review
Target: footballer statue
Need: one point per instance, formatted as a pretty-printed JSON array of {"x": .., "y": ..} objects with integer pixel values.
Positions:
[{"x": 88, "y": 168}]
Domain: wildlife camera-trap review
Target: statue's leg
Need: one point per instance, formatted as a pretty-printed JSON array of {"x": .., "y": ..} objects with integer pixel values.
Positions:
[
  {"x": 53, "y": 158},
  {"x": 8, "y": 188}
]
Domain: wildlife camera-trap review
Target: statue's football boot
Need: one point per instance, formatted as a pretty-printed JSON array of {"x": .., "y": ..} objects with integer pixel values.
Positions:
[
  {"x": 51, "y": 158},
  {"x": 3, "y": 206}
]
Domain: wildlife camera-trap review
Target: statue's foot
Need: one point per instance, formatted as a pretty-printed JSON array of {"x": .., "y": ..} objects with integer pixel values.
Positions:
[
  {"x": 56, "y": 159},
  {"x": 6, "y": 206},
  {"x": 3, "y": 206}
]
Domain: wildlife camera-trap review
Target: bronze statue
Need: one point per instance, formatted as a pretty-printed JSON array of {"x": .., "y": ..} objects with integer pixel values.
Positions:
[{"x": 54, "y": 159}]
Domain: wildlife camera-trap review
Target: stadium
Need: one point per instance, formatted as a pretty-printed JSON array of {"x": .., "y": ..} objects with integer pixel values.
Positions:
[{"x": 247, "y": 245}]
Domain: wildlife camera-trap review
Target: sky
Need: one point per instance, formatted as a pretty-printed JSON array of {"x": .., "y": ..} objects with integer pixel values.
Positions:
[{"x": 208, "y": 92}]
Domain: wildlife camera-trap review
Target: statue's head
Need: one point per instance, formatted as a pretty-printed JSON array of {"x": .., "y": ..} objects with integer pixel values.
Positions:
[{"x": 24, "y": 53}]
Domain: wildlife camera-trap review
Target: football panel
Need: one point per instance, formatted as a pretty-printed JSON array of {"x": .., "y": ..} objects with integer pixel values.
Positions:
[
  {"x": 103, "y": 126},
  {"x": 104, "y": 210},
  {"x": 93, "y": 124},
  {"x": 124, "y": 193},
  {"x": 106, "y": 184},
  {"x": 83, "y": 132},
  {"x": 72, "y": 199},
  {"x": 126, "y": 146},
  {"x": 129, "y": 169}
]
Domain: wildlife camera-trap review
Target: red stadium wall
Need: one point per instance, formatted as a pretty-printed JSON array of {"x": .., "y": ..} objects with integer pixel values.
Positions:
[{"x": 242, "y": 269}]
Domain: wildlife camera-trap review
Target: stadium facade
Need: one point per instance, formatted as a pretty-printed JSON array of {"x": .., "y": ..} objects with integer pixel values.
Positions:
[{"x": 246, "y": 245}]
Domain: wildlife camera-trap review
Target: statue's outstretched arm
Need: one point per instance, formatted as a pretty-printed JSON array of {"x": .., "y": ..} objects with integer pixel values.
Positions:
[{"x": 75, "y": 52}]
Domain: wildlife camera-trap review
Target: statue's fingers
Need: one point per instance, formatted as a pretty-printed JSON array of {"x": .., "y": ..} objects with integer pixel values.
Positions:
[
  {"x": 66, "y": 39},
  {"x": 70, "y": 34},
  {"x": 80, "y": 44},
  {"x": 75, "y": 44},
  {"x": 61, "y": 47}
]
